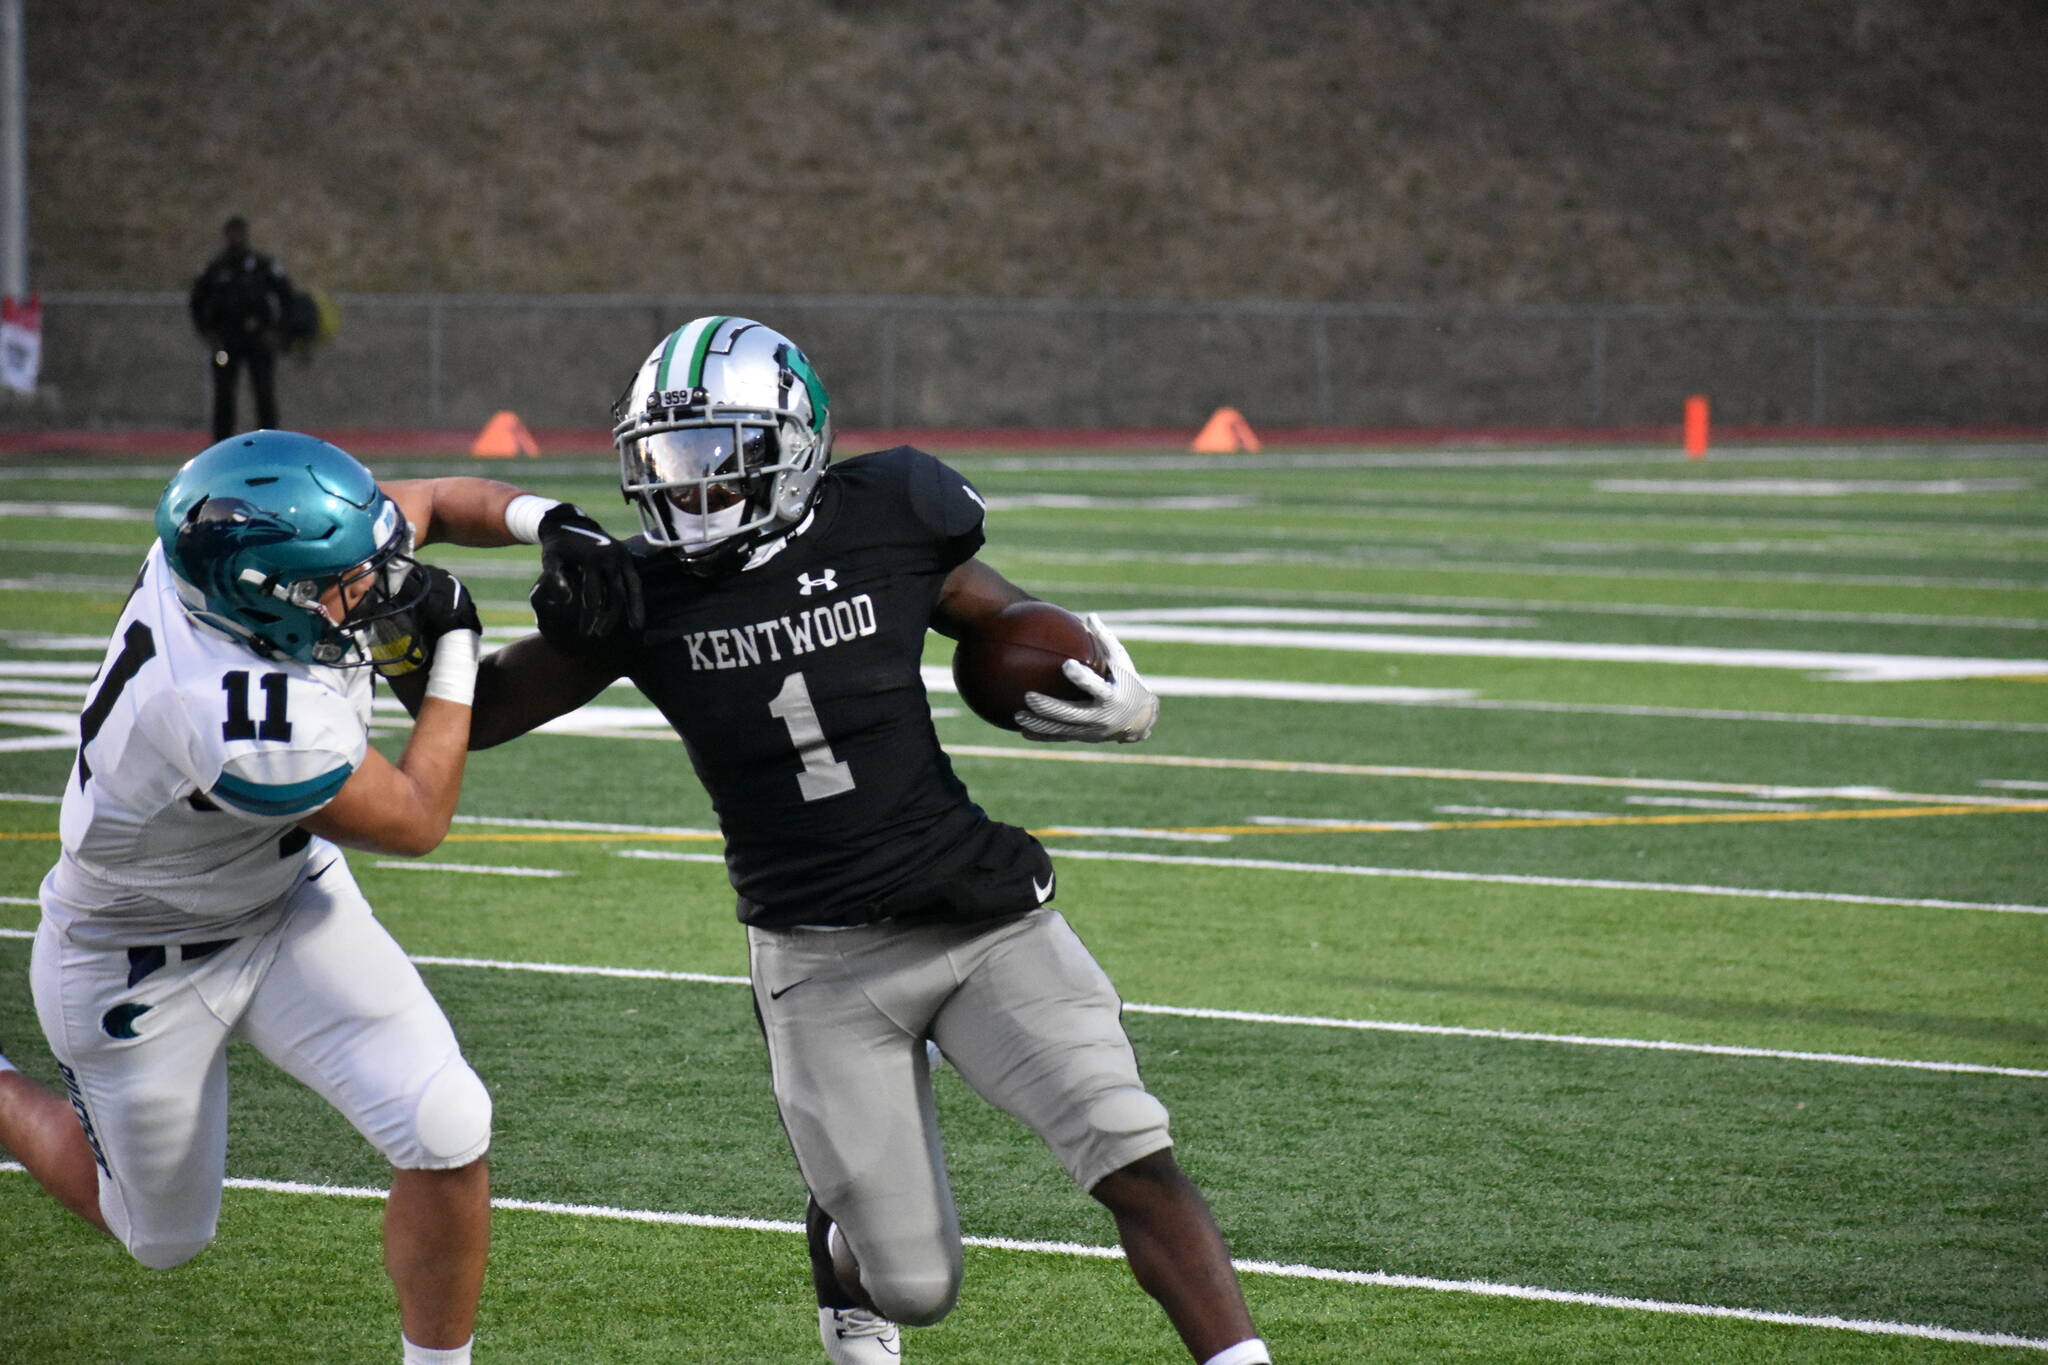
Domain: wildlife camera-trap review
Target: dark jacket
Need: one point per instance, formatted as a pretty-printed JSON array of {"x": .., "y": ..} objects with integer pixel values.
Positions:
[{"x": 239, "y": 300}]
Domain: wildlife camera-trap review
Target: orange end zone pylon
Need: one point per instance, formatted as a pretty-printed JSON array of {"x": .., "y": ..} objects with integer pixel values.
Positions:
[
  {"x": 503, "y": 436},
  {"x": 1696, "y": 427},
  {"x": 1226, "y": 430}
]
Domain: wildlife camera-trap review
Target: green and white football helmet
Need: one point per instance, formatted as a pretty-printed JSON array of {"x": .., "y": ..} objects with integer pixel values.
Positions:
[
  {"x": 722, "y": 438},
  {"x": 257, "y": 527}
]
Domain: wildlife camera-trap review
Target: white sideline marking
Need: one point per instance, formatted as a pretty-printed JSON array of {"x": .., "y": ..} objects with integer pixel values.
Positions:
[
  {"x": 596, "y": 826},
  {"x": 1516, "y": 813},
  {"x": 939, "y": 678},
  {"x": 45, "y": 668},
  {"x": 570, "y": 969},
  {"x": 1544, "y": 568},
  {"x": 481, "y": 868},
  {"x": 1308, "y": 616},
  {"x": 2014, "y": 784},
  {"x": 1582, "y": 1040},
  {"x": 77, "y": 511},
  {"x": 2022, "y": 727},
  {"x": 43, "y": 640},
  {"x": 1274, "y": 1269},
  {"x": 666, "y": 855},
  {"x": 644, "y": 722},
  {"x": 1695, "y": 803},
  {"x": 1522, "y": 879},
  {"x": 1295, "y": 1020},
  {"x": 1832, "y": 666},
  {"x": 1811, "y": 488},
  {"x": 1555, "y": 606},
  {"x": 1197, "y": 502},
  {"x": 73, "y": 692},
  {"x": 20, "y": 746},
  {"x": 1049, "y": 754}
]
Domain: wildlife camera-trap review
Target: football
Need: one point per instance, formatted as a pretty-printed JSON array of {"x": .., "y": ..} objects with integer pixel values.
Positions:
[{"x": 1021, "y": 651}]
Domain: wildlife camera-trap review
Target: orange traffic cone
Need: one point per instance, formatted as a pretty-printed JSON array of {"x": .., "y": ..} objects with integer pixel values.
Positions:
[
  {"x": 504, "y": 435},
  {"x": 1696, "y": 427},
  {"x": 1226, "y": 431}
]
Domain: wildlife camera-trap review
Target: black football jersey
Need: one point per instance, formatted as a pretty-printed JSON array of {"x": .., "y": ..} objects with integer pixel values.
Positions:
[{"x": 795, "y": 686}]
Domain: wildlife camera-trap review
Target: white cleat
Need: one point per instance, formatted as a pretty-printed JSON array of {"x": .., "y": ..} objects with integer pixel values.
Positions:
[{"x": 854, "y": 1336}]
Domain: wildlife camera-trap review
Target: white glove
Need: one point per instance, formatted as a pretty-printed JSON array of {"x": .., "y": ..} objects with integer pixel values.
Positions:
[{"x": 1123, "y": 708}]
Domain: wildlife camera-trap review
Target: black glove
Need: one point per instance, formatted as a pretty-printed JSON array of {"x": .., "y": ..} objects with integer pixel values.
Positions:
[
  {"x": 404, "y": 642},
  {"x": 588, "y": 585}
]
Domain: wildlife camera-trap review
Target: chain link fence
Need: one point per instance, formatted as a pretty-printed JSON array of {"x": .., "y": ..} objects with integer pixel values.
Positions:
[{"x": 122, "y": 361}]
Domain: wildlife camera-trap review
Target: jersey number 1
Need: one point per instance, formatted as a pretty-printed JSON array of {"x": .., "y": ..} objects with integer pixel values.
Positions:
[{"x": 823, "y": 775}]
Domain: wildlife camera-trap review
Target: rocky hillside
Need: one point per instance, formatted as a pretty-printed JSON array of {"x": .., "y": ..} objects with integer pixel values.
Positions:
[{"x": 1749, "y": 151}]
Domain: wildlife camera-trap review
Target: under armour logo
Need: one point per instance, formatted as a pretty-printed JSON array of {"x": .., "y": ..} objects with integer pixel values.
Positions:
[{"x": 827, "y": 582}]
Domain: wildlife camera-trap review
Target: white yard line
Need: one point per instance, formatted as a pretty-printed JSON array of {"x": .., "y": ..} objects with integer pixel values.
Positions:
[
  {"x": 1548, "y": 606},
  {"x": 1810, "y": 488},
  {"x": 1274, "y": 1269},
  {"x": 1520, "y": 879},
  {"x": 1699, "y": 803},
  {"x": 1049, "y": 754},
  {"x": 1513, "y": 812},
  {"x": 1581, "y": 1040},
  {"x": 1296, "y": 1020},
  {"x": 1831, "y": 665},
  {"x": 597, "y": 826},
  {"x": 2022, "y": 727},
  {"x": 1309, "y": 616},
  {"x": 1436, "y": 564},
  {"x": 484, "y": 869},
  {"x": 76, "y": 511}
]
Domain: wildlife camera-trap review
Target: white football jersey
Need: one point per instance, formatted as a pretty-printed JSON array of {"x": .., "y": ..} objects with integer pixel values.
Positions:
[{"x": 197, "y": 758}]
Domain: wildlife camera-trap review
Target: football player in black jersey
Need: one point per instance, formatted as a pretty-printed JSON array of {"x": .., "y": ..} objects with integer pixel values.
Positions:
[{"x": 775, "y": 610}]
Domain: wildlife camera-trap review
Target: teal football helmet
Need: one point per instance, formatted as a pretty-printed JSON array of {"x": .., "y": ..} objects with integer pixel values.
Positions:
[{"x": 258, "y": 527}]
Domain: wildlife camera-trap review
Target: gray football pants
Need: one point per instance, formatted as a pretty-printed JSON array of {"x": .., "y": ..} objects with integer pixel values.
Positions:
[{"x": 1019, "y": 1008}]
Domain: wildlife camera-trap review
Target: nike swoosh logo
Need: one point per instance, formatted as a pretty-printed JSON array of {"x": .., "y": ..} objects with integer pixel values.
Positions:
[
  {"x": 1044, "y": 893},
  {"x": 777, "y": 995}
]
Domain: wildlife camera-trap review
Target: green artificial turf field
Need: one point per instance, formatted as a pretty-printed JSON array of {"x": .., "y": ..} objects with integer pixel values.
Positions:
[{"x": 1578, "y": 905}]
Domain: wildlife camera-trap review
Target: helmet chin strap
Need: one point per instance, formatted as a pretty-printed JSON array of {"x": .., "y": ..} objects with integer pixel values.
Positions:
[{"x": 701, "y": 531}]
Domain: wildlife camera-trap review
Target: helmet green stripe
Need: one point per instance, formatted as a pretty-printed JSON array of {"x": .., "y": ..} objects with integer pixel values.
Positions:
[{"x": 703, "y": 347}]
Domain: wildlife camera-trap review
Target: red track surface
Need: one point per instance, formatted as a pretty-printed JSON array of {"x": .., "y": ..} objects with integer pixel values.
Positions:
[{"x": 373, "y": 441}]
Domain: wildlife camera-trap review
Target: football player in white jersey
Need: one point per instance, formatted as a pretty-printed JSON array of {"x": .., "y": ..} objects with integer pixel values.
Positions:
[{"x": 200, "y": 895}]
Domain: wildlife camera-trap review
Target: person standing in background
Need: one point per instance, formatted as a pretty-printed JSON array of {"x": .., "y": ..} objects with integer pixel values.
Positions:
[{"x": 239, "y": 303}]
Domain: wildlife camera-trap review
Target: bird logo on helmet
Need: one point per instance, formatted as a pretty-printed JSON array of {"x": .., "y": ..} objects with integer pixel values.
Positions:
[
  {"x": 257, "y": 528},
  {"x": 722, "y": 439}
]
